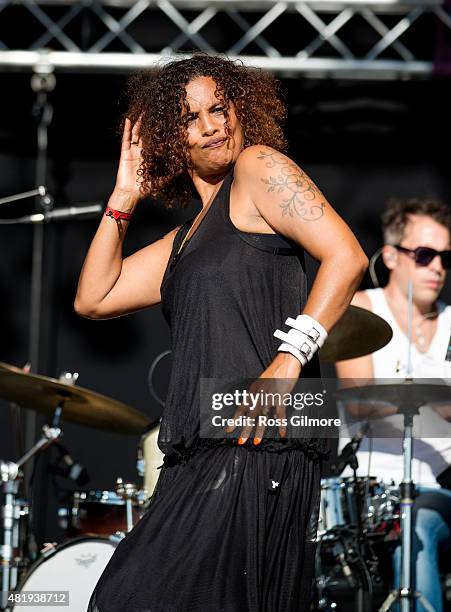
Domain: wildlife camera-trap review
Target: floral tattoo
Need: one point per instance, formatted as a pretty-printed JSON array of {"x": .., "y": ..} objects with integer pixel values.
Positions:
[{"x": 303, "y": 195}]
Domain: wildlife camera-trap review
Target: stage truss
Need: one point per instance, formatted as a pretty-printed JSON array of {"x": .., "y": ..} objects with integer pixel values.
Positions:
[{"x": 323, "y": 38}]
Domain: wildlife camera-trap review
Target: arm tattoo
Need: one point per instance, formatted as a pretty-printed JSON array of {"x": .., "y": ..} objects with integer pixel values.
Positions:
[{"x": 304, "y": 198}]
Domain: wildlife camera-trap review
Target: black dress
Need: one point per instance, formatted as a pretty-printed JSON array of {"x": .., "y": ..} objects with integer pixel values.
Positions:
[{"x": 218, "y": 537}]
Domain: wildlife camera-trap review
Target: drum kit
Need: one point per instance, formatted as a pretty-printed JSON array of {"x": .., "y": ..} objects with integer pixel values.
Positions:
[
  {"x": 94, "y": 521},
  {"x": 361, "y": 519}
]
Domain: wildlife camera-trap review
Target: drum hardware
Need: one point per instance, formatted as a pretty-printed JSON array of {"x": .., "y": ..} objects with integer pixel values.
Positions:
[
  {"x": 343, "y": 574},
  {"x": 349, "y": 452},
  {"x": 379, "y": 507},
  {"x": 406, "y": 398},
  {"x": 39, "y": 191},
  {"x": 407, "y": 488},
  {"x": 20, "y": 534},
  {"x": 70, "y": 378},
  {"x": 41, "y": 394},
  {"x": 384, "y": 510},
  {"x": 360, "y": 546},
  {"x": 66, "y": 467},
  {"x": 10, "y": 473},
  {"x": 128, "y": 492},
  {"x": 102, "y": 513}
]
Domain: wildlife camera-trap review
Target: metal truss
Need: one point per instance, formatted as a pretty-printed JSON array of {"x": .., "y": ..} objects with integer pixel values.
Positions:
[{"x": 321, "y": 38}]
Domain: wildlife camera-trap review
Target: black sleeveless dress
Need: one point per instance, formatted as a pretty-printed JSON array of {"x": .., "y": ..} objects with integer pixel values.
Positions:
[{"x": 218, "y": 537}]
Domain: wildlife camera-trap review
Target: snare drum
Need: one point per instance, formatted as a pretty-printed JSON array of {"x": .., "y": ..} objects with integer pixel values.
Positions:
[
  {"x": 341, "y": 504},
  {"x": 96, "y": 513}
]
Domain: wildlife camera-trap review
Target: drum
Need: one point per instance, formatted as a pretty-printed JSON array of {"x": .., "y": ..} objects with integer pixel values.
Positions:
[
  {"x": 382, "y": 511},
  {"x": 73, "y": 567},
  {"x": 331, "y": 506},
  {"x": 96, "y": 513},
  {"x": 339, "y": 566},
  {"x": 341, "y": 504},
  {"x": 152, "y": 459}
]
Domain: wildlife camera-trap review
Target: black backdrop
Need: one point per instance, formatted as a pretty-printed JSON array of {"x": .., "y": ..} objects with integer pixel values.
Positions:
[{"x": 361, "y": 142}]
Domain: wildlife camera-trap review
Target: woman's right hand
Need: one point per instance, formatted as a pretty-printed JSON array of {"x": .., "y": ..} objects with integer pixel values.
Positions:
[{"x": 127, "y": 180}]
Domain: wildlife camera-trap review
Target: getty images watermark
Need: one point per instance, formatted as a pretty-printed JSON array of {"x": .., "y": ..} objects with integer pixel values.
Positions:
[
  {"x": 317, "y": 408},
  {"x": 288, "y": 408}
]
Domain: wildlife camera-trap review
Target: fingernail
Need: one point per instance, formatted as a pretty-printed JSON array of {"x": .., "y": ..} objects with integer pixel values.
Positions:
[
  {"x": 241, "y": 440},
  {"x": 257, "y": 441}
]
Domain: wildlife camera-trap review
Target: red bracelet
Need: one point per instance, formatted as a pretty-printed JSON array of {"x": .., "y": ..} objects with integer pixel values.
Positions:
[{"x": 117, "y": 214}]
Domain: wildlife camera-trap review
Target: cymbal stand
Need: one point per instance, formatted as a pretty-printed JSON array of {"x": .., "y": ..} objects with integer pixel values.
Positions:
[
  {"x": 9, "y": 476},
  {"x": 407, "y": 489},
  {"x": 128, "y": 492},
  {"x": 405, "y": 594}
]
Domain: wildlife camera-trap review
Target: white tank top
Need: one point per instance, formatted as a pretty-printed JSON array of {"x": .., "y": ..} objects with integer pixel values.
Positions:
[{"x": 430, "y": 455}]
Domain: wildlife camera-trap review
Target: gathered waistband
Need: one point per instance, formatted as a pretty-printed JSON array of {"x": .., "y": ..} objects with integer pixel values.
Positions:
[{"x": 180, "y": 454}]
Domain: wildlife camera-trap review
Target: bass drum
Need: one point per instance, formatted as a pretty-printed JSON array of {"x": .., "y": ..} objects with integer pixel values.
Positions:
[{"x": 74, "y": 566}]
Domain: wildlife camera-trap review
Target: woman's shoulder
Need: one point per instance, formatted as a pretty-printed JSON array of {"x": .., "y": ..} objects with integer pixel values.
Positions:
[
  {"x": 254, "y": 155},
  {"x": 257, "y": 163}
]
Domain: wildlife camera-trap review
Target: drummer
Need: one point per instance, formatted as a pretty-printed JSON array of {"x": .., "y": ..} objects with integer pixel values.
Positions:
[{"x": 417, "y": 248}]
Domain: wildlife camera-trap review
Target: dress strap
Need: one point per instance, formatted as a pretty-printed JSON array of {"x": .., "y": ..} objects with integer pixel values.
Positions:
[{"x": 270, "y": 243}]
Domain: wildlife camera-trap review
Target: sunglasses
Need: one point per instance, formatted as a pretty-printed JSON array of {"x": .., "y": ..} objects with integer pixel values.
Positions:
[{"x": 424, "y": 255}]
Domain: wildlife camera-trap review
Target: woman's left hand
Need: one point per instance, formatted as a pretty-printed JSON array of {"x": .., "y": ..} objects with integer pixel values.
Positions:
[{"x": 279, "y": 377}]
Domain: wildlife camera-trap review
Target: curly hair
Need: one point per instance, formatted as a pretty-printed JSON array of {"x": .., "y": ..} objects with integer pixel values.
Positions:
[
  {"x": 396, "y": 216},
  {"x": 159, "y": 96}
]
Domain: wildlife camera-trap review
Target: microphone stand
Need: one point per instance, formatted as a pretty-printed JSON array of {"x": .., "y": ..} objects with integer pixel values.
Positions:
[{"x": 43, "y": 83}]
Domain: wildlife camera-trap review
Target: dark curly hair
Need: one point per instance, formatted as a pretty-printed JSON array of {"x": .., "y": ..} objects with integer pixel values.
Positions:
[
  {"x": 159, "y": 96},
  {"x": 396, "y": 216}
]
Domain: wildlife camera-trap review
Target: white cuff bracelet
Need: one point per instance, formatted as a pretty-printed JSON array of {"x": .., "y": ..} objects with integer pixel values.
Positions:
[
  {"x": 310, "y": 327},
  {"x": 288, "y": 348},
  {"x": 299, "y": 341}
]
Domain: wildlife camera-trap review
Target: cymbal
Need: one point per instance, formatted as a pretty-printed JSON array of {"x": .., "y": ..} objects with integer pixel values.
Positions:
[
  {"x": 358, "y": 332},
  {"x": 413, "y": 393},
  {"x": 80, "y": 405}
]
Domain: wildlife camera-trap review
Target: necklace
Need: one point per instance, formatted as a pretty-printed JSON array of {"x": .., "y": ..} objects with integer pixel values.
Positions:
[
  {"x": 198, "y": 216},
  {"x": 420, "y": 337}
]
